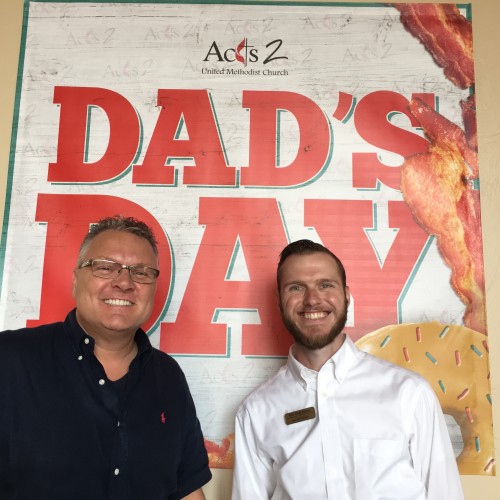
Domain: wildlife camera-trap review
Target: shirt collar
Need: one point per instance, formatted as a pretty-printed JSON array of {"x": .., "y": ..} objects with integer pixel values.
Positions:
[
  {"x": 85, "y": 343},
  {"x": 340, "y": 363}
]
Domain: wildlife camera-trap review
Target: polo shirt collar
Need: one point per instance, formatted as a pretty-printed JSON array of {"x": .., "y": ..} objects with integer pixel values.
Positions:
[{"x": 84, "y": 343}]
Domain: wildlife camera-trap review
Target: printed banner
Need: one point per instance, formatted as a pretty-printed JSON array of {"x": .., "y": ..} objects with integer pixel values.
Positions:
[{"x": 233, "y": 129}]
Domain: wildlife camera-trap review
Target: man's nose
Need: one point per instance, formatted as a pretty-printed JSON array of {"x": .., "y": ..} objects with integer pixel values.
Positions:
[
  {"x": 123, "y": 280},
  {"x": 311, "y": 296}
]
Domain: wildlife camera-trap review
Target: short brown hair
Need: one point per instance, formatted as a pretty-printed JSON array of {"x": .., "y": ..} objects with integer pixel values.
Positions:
[{"x": 305, "y": 247}]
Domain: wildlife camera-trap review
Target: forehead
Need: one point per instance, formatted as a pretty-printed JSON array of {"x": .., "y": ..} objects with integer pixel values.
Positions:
[
  {"x": 121, "y": 246},
  {"x": 317, "y": 264}
]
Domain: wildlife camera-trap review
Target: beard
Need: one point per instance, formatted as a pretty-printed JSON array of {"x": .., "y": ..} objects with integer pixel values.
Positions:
[{"x": 315, "y": 342}]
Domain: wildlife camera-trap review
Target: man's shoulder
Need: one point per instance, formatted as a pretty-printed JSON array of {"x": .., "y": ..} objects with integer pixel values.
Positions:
[
  {"x": 163, "y": 358},
  {"x": 377, "y": 367},
  {"x": 27, "y": 336},
  {"x": 268, "y": 391},
  {"x": 29, "y": 346},
  {"x": 166, "y": 361}
]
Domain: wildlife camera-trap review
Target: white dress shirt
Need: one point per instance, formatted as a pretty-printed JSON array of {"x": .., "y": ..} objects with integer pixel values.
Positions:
[{"x": 378, "y": 434}]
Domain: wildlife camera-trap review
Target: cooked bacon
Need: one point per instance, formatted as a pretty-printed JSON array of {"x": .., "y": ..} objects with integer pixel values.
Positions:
[
  {"x": 437, "y": 186},
  {"x": 469, "y": 117},
  {"x": 440, "y": 130},
  {"x": 446, "y": 34}
]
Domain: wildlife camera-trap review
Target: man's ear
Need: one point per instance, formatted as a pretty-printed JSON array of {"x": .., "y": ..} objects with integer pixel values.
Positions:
[
  {"x": 74, "y": 280},
  {"x": 347, "y": 295}
]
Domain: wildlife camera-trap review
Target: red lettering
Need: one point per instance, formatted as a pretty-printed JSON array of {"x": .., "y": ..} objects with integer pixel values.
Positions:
[
  {"x": 257, "y": 224},
  {"x": 313, "y": 147},
  {"x": 372, "y": 120},
  {"x": 76, "y": 104},
  {"x": 190, "y": 109},
  {"x": 376, "y": 289},
  {"x": 68, "y": 218}
]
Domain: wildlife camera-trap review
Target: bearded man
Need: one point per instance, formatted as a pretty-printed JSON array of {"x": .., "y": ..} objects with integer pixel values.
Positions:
[{"x": 335, "y": 422}]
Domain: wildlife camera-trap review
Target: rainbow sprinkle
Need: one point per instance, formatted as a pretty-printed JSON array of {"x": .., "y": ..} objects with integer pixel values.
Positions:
[
  {"x": 476, "y": 350},
  {"x": 385, "y": 341},
  {"x": 489, "y": 465},
  {"x": 468, "y": 412},
  {"x": 406, "y": 354},
  {"x": 444, "y": 332},
  {"x": 431, "y": 357}
]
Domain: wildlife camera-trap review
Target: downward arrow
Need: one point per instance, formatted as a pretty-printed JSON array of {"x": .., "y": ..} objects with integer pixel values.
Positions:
[{"x": 381, "y": 236}]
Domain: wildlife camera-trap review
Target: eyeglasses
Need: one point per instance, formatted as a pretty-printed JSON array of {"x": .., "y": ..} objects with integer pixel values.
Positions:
[{"x": 109, "y": 269}]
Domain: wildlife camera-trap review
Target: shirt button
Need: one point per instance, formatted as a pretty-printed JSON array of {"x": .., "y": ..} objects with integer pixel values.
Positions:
[
  {"x": 80, "y": 358},
  {"x": 118, "y": 424},
  {"x": 117, "y": 471},
  {"x": 87, "y": 340},
  {"x": 102, "y": 382},
  {"x": 324, "y": 394}
]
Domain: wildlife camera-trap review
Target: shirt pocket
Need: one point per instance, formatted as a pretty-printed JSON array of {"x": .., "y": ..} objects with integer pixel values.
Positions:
[{"x": 383, "y": 471}]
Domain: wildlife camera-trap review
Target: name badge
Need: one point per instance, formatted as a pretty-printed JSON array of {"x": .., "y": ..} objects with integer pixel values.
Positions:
[{"x": 300, "y": 415}]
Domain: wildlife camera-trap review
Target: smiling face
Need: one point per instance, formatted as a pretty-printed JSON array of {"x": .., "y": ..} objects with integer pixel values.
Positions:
[
  {"x": 313, "y": 300},
  {"x": 108, "y": 306}
]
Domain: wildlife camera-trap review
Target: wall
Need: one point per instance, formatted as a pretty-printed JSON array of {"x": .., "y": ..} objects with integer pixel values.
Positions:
[{"x": 486, "y": 43}]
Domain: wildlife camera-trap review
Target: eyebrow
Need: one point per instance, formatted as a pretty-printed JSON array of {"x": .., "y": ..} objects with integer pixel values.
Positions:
[
  {"x": 320, "y": 280},
  {"x": 133, "y": 265}
]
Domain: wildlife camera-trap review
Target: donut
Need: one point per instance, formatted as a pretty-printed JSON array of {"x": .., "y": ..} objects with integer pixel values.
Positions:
[{"x": 455, "y": 361}]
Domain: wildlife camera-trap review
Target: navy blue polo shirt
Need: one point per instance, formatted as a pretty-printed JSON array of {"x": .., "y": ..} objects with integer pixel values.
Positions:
[{"x": 68, "y": 432}]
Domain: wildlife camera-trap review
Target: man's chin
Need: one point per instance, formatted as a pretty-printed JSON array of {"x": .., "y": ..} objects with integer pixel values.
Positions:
[{"x": 316, "y": 342}]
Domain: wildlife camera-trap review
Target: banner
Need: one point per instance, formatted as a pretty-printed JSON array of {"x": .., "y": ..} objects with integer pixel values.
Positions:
[{"x": 233, "y": 129}]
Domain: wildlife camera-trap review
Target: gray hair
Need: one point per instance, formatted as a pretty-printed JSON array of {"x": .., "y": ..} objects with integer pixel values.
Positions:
[{"x": 118, "y": 223}]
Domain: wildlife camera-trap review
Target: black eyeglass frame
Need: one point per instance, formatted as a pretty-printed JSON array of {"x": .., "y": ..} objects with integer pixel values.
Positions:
[{"x": 130, "y": 269}]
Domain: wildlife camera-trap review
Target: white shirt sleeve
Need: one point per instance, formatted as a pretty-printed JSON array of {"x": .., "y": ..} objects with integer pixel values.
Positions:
[
  {"x": 253, "y": 477},
  {"x": 431, "y": 450}
]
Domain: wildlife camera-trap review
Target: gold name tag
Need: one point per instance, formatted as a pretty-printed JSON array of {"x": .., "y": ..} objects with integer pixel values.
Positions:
[{"x": 300, "y": 415}]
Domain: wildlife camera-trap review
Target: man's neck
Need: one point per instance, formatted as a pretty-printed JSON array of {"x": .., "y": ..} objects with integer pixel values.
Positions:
[
  {"x": 115, "y": 359},
  {"x": 314, "y": 359},
  {"x": 114, "y": 349}
]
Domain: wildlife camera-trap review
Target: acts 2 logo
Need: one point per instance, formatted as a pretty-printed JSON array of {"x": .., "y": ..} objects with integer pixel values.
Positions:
[{"x": 246, "y": 53}]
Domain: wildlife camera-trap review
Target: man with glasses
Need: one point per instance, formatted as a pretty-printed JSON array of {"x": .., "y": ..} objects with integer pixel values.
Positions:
[{"x": 89, "y": 409}]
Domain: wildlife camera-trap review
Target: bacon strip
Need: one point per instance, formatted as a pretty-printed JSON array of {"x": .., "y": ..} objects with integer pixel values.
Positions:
[
  {"x": 437, "y": 187},
  {"x": 446, "y": 34},
  {"x": 440, "y": 130},
  {"x": 469, "y": 117}
]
